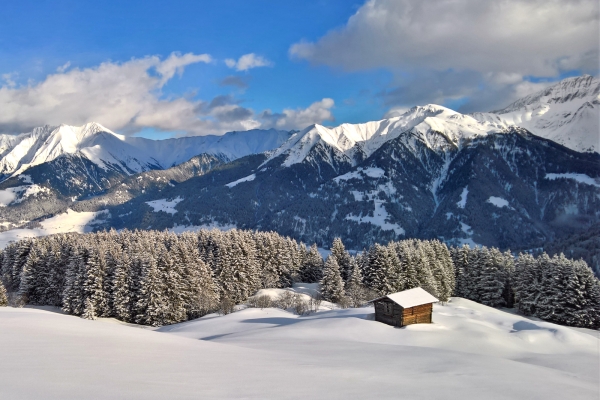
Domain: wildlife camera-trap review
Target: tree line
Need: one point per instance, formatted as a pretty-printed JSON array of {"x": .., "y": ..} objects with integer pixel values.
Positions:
[{"x": 158, "y": 278}]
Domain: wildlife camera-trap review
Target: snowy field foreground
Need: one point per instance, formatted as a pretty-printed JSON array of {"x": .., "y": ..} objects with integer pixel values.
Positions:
[{"x": 470, "y": 352}]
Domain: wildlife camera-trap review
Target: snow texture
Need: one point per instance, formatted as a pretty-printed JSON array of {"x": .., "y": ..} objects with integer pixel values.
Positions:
[
  {"x": 498, "y": 202},
  {"x": 581, "y": 178},
  {"x": 469, "y": 352},
  {"x": 411, "y": 298},
  {"x": 164, "y": 205},
  {"x": 248, "y": 178},
  {"x": 17, "y": 194},
  {"x": 371, "y": 172},
  {"x": 128, "y": 155},
  {"x": 463, "y": 198},
  {"x": 380, "y": 218},
  {"x": 567, "y": 113},
  {"x": 70, "y": 221},
  {"x": 438, "y": 126}
]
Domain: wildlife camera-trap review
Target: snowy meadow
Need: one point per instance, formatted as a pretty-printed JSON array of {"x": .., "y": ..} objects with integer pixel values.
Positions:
[{"x": 243, "y": 314}]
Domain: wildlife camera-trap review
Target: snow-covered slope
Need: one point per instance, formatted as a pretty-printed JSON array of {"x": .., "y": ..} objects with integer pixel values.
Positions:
[
  {"x": 92, "y": 140},
  {"x": 567, "y": 113},
  {"x": 469, "y": 352},
  {"x": 439, "y": 127},
  {"x": 127, "y": 155}
]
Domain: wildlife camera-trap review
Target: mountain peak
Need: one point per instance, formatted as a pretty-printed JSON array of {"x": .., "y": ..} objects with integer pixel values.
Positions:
[
  {"x": 579, "y": 87},
  {"x": 567, "y": 112}
]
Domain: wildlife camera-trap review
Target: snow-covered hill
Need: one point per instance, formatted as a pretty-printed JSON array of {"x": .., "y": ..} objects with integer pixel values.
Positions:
[
  {"x": 128, "y": 155},
  {"x": 567, "y": 113},
  {"x": 469, "y": 352}
]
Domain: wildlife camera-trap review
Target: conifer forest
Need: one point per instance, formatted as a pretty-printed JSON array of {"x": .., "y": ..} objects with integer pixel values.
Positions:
[{"x": 158, "y": 278}]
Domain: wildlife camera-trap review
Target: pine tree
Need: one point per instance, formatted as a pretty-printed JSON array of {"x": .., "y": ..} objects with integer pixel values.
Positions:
[
  {"x": 493, "y": 279},
  {"x": 332, "y": 285},
  {"x": 312, "y": 268},
  {"x": 526, "y": 283},
  {"x": 380, "y": 275},
  {"x": 73, "y": 296},
  {"x": 406, "y": 255},
  {"x": 342, "y": 257},
  {"x": 88, "y": 310},
  {"x": 3, "y": 295},
  {"x": 354, "y": 286},
  {"x": 93, "y": 280}
]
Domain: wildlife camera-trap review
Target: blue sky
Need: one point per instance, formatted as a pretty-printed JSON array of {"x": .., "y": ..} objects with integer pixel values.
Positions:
[{"x": 326, "y": 61}]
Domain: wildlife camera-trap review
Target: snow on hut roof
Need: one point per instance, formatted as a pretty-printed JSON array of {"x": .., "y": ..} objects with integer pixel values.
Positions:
[{"x": 410, "y": 298}]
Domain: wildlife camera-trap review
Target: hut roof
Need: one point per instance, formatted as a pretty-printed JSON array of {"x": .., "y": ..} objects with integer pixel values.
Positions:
[{"x": 410, "y": 298}]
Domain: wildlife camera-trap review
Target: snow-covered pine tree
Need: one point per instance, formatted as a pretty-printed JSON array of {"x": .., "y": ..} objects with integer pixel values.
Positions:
[
  {"x": 55, "y": 276},
  {"x": 342, "y": 257},
  {"x": 548, "y": 288},
  {"x": 509, "y": 271},
  {"x": 448, "y": 276},
  {"x": 8, "y": 259},
  {"x": 493, "y": 279},
  {"x": 31, "y": 281},
  {"x": 577, "y": 298},
  {"x": 312, "y": 269},
  {"x": 3, "y": 295},
  {"x": 73, "y": 295},
  {"x": 151, "y": 303},
  {"x": 201, "y": 293},
  {"x": 266, "y": 255},
  {"x": 331, "y": 284},
  {"x": 238, "y": 273},
  {"x": 120, "y": 285},
  {"x": 380, "y": 275},
  {"x": 354, "y": 286},
  {"x": 406, "y": 254},
  {"x": 526, "y": 283},
  {"x": 23, "y": 247},
  {"x": 94, "y": 276},
  {"x": 424, "y": 273},
  {"x": 170, "y": 267},
  {"x": 88, "y": 310},
  {"x": 589, "y": 285}
]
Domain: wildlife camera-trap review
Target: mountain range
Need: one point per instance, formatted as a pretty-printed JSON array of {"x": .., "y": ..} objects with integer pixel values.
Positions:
[{"x": 518, "y": 177}]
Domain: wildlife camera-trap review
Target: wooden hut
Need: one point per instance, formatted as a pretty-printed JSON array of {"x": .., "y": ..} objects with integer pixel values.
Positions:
[{"x": 413, "y": 306}]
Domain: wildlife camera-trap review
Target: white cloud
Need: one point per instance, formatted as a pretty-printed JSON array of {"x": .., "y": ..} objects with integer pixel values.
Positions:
[
  {"x": 176, "y": 64},
  {"x": 395, "y": 112},
  {"x": 248, "y": 61},
  {"x": 127, "y": 97},
  {"x": 317, "y": 112},
  {"x": 472, "y": 47},
  {"x": 63, "y": 67},
  {"x": 529, "y": 37}
]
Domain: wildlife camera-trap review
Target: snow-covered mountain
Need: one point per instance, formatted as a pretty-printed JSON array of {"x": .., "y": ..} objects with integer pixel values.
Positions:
[
  {"x": 438, "y": 127},
  {"x": 127, "y": 155},
  {"x": 567, "y": 113},
  {"x": 431, "y": 172}
]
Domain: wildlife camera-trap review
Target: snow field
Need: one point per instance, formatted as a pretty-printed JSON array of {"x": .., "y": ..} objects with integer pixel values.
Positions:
[
  {"x": 498, "y": 202},
  {"x": 248, "y": 178},
  {"x": 581, "y": 178},
  {"x": 71, "y": 221},
  {"x": 164, "y": 205},
  {"x": 18, "y": 193},
  {"x": 469, "y": 352}
]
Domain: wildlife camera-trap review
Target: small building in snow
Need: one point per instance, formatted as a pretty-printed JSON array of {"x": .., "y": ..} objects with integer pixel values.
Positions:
[{"x": 413, "y": 306}]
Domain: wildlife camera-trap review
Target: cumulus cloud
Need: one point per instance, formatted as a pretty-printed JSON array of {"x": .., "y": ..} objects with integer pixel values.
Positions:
[
  {"x": 127, "y": 97},
  {"x": 317, "y": 112},
  {"x": 525, "y": 36},
  {"x": 470, "y": 43},
  {"x": 248, "y": 61}
]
